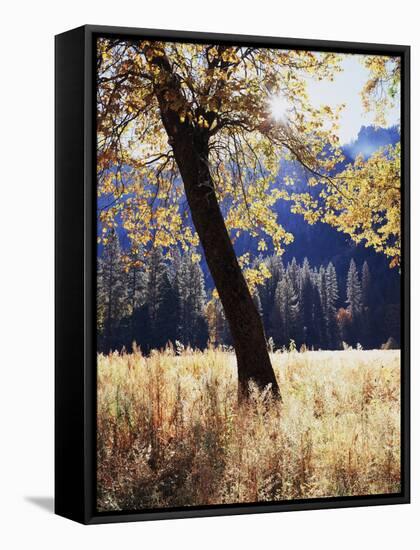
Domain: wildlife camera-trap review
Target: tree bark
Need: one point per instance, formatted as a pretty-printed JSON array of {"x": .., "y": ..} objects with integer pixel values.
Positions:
[{"x": 191, "y": 150}]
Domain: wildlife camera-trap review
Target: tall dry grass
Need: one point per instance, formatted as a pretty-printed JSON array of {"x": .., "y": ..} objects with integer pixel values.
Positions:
[{"x": 170, "y": 431}]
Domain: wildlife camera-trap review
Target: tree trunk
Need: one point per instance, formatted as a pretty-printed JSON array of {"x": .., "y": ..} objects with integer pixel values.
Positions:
[
  {"x": 245, "y": 324},
  {"x": 191, "y": 151}
]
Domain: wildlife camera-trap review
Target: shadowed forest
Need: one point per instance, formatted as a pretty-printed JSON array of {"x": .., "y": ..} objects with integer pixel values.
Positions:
[{"x": 160, "y": 302}]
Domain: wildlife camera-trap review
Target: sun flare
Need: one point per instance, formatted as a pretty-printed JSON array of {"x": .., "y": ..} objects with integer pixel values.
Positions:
[{"x": 279, "y": 108}]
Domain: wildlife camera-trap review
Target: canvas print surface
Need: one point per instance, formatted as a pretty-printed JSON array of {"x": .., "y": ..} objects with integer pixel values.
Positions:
[{"x": 248, "y": 274}]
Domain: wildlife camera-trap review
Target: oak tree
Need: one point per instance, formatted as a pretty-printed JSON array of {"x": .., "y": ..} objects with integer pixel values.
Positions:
[{"x": 196, "y": 132}]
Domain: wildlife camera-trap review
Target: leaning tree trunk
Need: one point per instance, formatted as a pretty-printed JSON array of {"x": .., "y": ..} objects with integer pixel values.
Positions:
[
  {"x": 253, "y": 361},
  {"x": 241, "y": 313},
  {"x": 190, "y": 147}
]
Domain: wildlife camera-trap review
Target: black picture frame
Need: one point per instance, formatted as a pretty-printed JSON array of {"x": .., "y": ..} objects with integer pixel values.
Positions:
[{"x": 75, "y": 265}]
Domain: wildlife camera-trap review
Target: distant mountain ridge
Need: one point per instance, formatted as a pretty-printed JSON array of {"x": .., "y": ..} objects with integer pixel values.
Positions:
[
  {"x": 321, "y": 243},
  {"x": 370, "y": 139}
]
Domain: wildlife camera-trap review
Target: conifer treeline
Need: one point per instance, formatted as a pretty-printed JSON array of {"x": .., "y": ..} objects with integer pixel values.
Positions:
[{"x": 152, "y": 301}]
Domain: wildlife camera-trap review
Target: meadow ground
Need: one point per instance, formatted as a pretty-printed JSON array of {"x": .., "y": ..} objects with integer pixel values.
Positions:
[{"x": 171, "y": 433}]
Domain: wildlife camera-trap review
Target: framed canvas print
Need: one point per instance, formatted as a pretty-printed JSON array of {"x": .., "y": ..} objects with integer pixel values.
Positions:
[{"x": 232, "y": 274}]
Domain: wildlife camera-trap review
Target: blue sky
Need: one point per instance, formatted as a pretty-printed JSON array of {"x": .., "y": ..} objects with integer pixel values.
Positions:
[{"x": 346, "y": 89}]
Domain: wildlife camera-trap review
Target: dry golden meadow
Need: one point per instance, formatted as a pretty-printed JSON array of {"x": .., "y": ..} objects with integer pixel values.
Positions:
[{"x": 171, "y": 433}]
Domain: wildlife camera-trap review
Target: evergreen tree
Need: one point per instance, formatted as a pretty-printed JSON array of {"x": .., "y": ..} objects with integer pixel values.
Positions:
[
  {"x": 354, "y": 301},
  {"x": 365, "y": 284},
  {"x": 280, "y": 314},
  {"x": 193, "y": 328},
  {"x": 354, "y": 290},
  {"x": 286, "y": 313},
  {"x": 167, "y": 318},
  {"x": 295, "y": 295},
  {"x": 307, "y": 303},
  {"x": 366, "y": 302},
  {"x": 322, "y": 284},
  {"x": 330, "y": 307},
  {"x": 293, "y": 271},
  {"x": 183, "y": 282},
  {"x": 197, "y": 300},
  {"x": 267, "y": 292},
  {"x": 156, "y": 269},
  {"x": 111, "y": 293},
  {"x": 136, "y": 279},
  {"x": 319, "y": 321}
]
